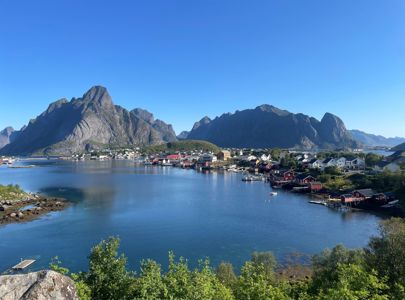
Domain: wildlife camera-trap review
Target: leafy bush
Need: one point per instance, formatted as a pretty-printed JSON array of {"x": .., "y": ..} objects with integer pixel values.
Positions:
[{"x": 377, "y": 272}]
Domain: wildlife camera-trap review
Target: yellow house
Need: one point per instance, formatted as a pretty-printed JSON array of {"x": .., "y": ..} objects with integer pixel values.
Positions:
[{"x": 224, "y": 155}]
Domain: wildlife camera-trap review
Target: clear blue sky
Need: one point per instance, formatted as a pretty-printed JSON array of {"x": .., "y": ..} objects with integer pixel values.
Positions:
[{"x": 183, "y": 60}]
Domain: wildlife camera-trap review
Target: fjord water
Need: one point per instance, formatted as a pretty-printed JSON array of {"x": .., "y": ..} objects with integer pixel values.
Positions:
[{"x": 157, "y": 209}]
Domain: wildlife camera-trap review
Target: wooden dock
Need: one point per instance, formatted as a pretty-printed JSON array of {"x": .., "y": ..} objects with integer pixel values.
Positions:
[{"x": 23, "y": 264}]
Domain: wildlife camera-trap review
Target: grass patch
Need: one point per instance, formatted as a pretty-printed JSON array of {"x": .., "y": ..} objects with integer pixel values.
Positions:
[{"x": 11, "y": 192}]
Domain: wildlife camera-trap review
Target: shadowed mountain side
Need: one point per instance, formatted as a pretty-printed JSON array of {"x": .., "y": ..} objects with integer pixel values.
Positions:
[
  {"x": 88, "y": 122},
  {"x": 268, "y": 126}
]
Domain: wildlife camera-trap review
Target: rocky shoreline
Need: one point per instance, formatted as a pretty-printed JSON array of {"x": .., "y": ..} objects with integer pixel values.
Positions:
[{"x": 29, "y": 208}]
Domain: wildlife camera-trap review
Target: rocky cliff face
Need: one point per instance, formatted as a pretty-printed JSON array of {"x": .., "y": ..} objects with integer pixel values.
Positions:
[
  {"x": 42, "y": 285},
  {"x": 7, "y": 135},
  {"x": 91, "y": 121},
  {"x": 183, "y": 135},
  {"x": 268, "y": 126}
]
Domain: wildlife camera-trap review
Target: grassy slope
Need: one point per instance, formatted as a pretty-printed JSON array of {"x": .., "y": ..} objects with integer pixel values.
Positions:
[
  {"x": 11, "y": 192},
  {"x": 186, "y": 145}
]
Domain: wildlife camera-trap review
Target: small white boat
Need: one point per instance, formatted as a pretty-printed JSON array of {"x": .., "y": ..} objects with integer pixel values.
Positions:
[
  {"x": 317, "y": 202},
  {"x": 273, "y": 194}
]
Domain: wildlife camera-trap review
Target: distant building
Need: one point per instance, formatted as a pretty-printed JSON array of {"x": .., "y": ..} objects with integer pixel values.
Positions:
[
  {"x": 265, "y": 157},
  {"x": 224, "y": 155},
  {"x": 364, "y": 193},
  {"x": 304, "y": 179},
  {"x": 315, "y": 186},
  {"x": 207, "y": 158},
  {"x": 288, "y": 175},
  {"x": 355, "y": 164},
  {"x": 315, "y": 163}
]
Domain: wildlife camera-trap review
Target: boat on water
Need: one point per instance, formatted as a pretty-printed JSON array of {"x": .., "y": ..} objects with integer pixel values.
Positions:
[
  {"x": 317, "y": 202},
  {"x": 273, "y": 193},
  {"x": 252, "y": 178}
]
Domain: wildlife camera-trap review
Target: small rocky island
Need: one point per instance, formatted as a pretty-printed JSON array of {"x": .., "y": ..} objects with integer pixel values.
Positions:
[{"x": 19, "y": 206}]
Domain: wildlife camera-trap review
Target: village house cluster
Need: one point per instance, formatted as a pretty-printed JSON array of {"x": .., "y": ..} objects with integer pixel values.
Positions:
[
  {"x": 342, "y": 163},
  {"x": 285, "y": 169},
  {"x": 393, "y": 163},
  {"x": 4, "y": 160}
]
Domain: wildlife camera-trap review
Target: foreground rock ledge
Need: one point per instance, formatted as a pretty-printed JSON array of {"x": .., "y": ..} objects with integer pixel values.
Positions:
[{"x": 41, "y": 285}]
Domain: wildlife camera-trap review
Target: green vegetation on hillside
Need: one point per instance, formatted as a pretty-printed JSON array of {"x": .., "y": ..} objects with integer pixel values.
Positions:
[
  {"x": 11, "y": 192},
  {"x": 183, "y": 146},
  {"x": 375, "y": 272}
]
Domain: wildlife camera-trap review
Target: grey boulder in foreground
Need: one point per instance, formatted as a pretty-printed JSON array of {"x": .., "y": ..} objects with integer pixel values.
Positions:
[{"x": 41, "y": 285}]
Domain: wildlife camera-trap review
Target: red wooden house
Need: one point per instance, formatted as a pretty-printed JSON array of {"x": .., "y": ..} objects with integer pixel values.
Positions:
[
  {"x": 287, "y": 175},
  {"x": 304, "y": 179},
  {"x": 315, "y": 186}
]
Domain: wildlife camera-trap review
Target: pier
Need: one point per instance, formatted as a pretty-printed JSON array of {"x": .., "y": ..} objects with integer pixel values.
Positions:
[{"x": 23, "y": 264}]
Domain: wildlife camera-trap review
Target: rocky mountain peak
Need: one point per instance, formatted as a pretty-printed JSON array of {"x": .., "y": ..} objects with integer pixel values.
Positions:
[
  {"x": 203, "y": 121},
  {"x": 7, "y": 131},
  {"x": 98, "y": 94},
  {"x": 7, "y": 135},
  {"x": 183, "y": 135},
  {"x": 268, "y": 126},
  {"x": 272, "y": 109},
  {"x": 333, "y": 130},
  {"x": 143, "y": 114},
  {"x": 68, "y": 127},
  {"x": 55, "y": 105},
  {"x": 332, "y": 119}
]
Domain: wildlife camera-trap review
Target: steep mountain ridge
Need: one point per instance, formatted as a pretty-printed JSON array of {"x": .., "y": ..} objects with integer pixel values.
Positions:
[
  {"x": 372, "y": 140},
  {"x": 269, "y": 126},
  {"x": 7, "y": 135},
  {"x": 91, "y": 121}
]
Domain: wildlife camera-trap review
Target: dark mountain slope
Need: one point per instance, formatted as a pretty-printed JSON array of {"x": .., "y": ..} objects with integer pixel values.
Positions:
[
  {"x": 93, "y": 120},
  {"x": 268, "y": 126}
]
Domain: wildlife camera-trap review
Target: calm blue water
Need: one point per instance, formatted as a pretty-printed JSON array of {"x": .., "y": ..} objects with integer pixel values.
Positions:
[{"x": 154, "y": 210}]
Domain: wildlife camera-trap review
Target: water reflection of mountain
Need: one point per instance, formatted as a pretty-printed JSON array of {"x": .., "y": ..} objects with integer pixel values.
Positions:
[{"x": 104, "y": 194}]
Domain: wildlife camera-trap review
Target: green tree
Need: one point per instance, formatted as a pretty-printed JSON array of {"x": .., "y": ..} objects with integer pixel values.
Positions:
[
  {"x": 177, "y": 279},
  {"x": 83, "y": 290},
  {"x": 265, "y": 260},
  {"x": 181, "y": 283},
  {"x": 149, "y": 285},
  {"x": 360, "y": 181},
  {"x": 355, "y": 283},
  {"x": 226, "y": 274},
  {"x": 372, "y": 159},
  {"x": 386, "y": 253},
  {"x": 332, "y": 170},
  {"x": 207, "y": 286},
  {"x": 56, "y": 265},
  {"x": 325, "y": 266},
  {"x": 275, "y": 153},
  {"x": 253, "y": 283},
  {"x": 108, "y": 277}
]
